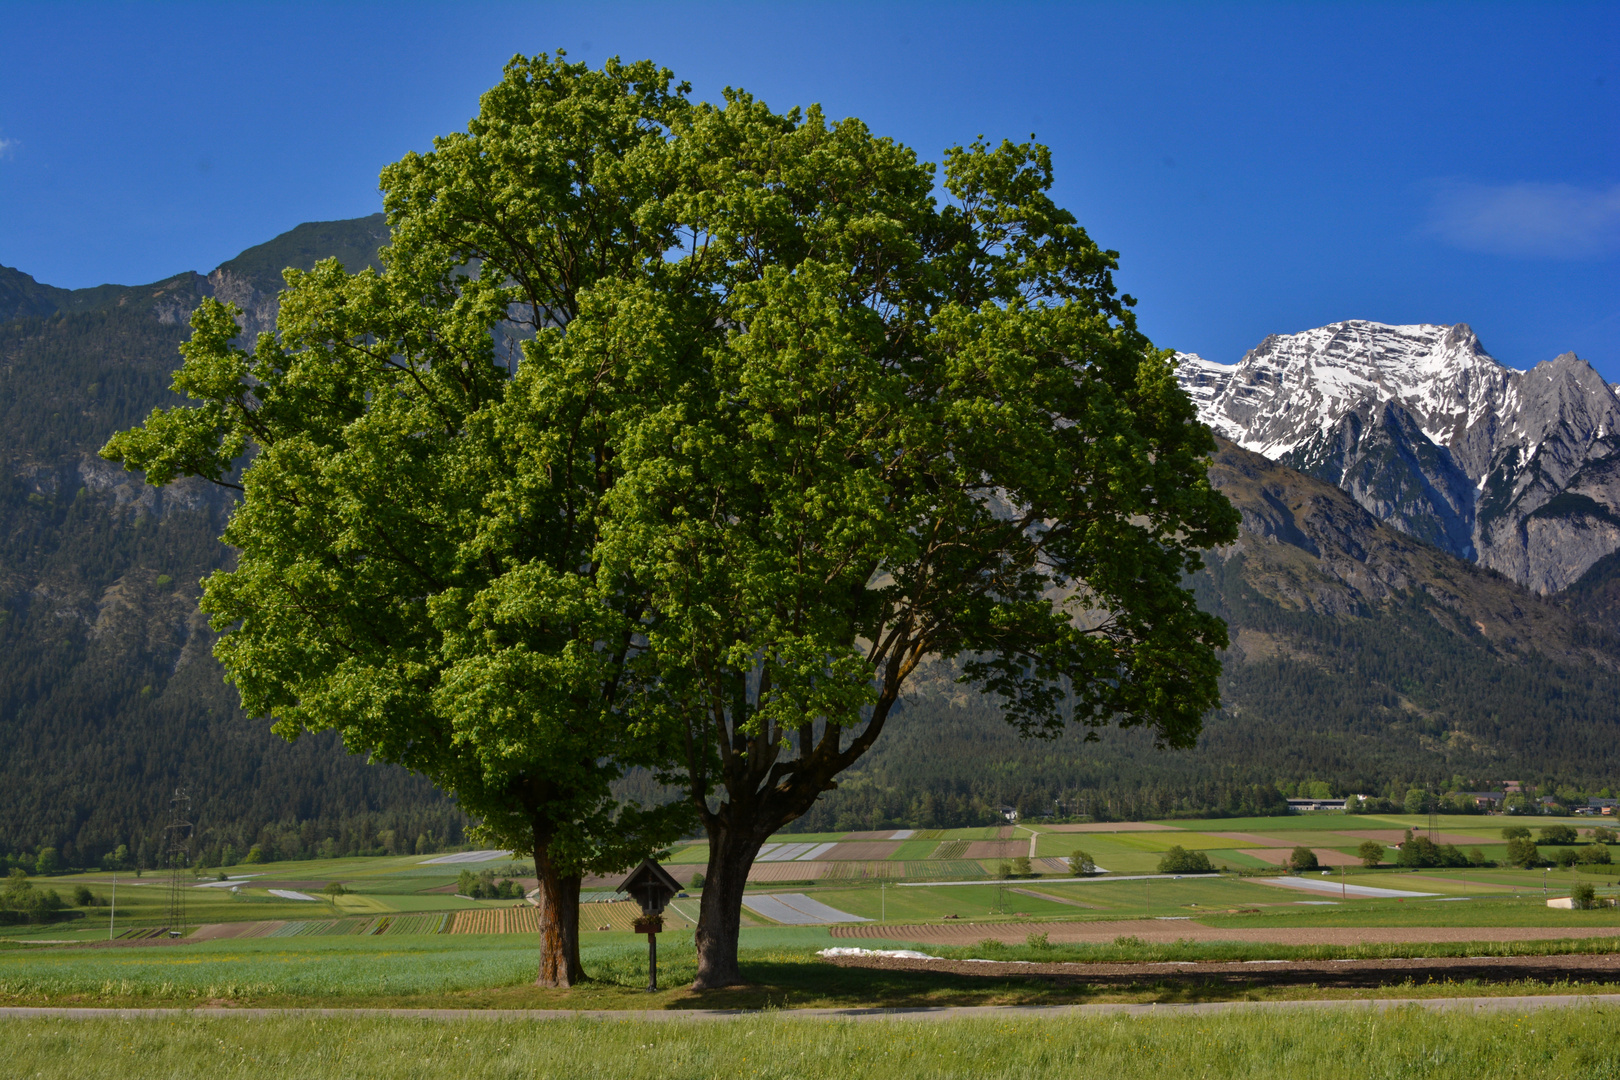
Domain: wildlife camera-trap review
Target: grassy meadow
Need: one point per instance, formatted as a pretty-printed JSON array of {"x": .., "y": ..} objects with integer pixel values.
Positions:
[
  {"x": 496, "y": 971},
  {"x": 1284, "y": 1044}
]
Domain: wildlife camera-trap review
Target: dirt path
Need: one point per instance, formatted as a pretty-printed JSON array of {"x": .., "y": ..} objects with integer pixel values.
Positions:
[
  {"x": 1169, "y": 930},
  {"x": 1353, "y": 974},
  {"x": 1113, "y": 826}
]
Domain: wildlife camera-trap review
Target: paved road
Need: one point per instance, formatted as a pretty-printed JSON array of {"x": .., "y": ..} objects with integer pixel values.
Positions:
[{"x": 1472, "y": 1005}]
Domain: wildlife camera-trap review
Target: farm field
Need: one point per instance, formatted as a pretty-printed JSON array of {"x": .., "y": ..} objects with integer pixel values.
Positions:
[
  {"x": 400, "y": 934},
  {"x": 376, "y": 887}
]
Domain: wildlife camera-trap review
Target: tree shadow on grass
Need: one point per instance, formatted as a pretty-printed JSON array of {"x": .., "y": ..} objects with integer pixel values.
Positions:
[{"x": 789, "y": 984}]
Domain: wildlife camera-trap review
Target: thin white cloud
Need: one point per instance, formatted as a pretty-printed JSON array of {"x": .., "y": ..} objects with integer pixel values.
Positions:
[
  {"x": 7, "y": 146},
  {"x": 1559, "y": 221}
]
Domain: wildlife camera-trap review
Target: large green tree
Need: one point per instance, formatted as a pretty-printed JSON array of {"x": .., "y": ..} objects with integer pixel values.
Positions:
[
  {"x": 418, "y": 521},
  {"x": 875, "y": 430},
  {"x": 787, "y": 425}
]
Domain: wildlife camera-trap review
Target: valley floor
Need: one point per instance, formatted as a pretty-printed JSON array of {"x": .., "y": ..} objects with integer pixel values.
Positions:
[{"x": 400, "y": 936}]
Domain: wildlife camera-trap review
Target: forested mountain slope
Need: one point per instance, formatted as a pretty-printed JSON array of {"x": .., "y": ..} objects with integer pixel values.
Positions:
[
  {"x": 1360, "y": 657},
  {"x": 109, "y": 694}
]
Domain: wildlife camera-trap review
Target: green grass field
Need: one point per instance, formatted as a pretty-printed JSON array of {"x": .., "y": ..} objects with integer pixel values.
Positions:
[
  {"x": 930, "y": 905},
  {"x": 1579, "y": 1042},
  {"x": 781, "y": 964},
  {"x": 306, "y": 967}
]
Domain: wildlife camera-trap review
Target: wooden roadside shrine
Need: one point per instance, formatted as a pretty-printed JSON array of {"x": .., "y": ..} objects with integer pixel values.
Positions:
[{"x": 652, "y": 887}]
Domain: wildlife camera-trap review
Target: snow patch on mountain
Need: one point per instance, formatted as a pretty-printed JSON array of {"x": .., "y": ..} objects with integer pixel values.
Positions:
[
  {"x": 1430, "y": 433},
  {"x": 1291, "y": 387}
]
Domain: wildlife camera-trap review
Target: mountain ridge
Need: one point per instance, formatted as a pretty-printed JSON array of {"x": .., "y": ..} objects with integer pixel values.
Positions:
[
  {"x": 251, "y": 279},
  {"x": 1517, "y": 470}
]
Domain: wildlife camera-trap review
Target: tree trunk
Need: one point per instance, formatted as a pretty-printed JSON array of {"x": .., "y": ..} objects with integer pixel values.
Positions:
[
  {"x": 731, "y": 853},
  {"x": 559, "y": 920}
]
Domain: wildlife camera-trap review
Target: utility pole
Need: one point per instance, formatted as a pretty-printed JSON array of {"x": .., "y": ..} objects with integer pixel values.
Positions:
[
  {"x": 177, "y": 837},
  {"x": 112, "y": 916},
  {"x": 883, "y": 902}
]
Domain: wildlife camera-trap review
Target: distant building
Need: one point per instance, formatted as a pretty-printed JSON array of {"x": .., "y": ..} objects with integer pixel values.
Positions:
[
  {"x": 1487, "y": 800},
  {"x": 1300, "y": 805},
  {"x": 1009, "y": 812}
]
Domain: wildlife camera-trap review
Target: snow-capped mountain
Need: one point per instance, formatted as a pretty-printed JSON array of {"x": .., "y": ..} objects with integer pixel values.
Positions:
[{"x": 1519, "y": 470}]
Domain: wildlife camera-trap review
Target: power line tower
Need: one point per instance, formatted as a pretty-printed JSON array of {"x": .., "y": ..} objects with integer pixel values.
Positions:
[{"x": 176, "y": 841}]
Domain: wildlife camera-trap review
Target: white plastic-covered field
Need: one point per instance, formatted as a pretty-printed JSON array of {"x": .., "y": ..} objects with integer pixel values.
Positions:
[
  {"x": 1328, "y": 885},
  {"x": 791, "y": 852},
  {"x": 797, "y": 909},
  {"x": 468, "y": 857}
]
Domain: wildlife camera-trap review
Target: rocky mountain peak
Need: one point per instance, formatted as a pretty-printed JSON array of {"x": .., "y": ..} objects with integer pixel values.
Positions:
[
  {"x": 1462, "y": 336},
  {"x": 1431, "y": 434},
  {"x": 1293, "y": 387}
]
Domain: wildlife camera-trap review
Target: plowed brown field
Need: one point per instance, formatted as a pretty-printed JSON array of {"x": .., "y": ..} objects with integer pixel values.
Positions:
[
  {"x": 852, "y": 852},
  {"x": 788, "y": 871}
]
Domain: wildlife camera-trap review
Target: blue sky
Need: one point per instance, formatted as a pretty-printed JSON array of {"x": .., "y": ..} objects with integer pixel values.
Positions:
[{"x": 1260, "y": 168}]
